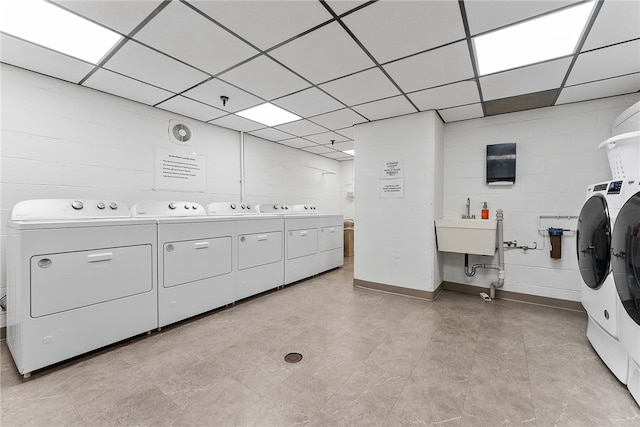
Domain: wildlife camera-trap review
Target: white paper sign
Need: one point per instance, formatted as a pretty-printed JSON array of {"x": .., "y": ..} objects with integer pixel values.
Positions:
[
  {"x": 392, "y": 170},
  {"x": 391, "y": 188},
  {"x": 180, "y": 170}
]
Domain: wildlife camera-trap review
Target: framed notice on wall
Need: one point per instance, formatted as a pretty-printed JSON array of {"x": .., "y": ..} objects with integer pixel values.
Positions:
[{"x": 178, "y": 170}]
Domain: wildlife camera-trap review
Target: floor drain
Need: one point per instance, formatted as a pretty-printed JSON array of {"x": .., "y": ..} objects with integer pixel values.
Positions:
[{"x": 293, "y": 358}]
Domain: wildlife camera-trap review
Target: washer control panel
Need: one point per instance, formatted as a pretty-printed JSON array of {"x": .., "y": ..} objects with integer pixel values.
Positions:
[
  {"x": 67, "y": 209},
  {"x": 229, "y": 208},
  {"x": 168, "y": 208}
]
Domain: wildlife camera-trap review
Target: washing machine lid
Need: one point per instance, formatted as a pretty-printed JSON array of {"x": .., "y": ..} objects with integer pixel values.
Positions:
[
  {"x": 593, "y": 241},
  {"x": 625, "y": 247}
]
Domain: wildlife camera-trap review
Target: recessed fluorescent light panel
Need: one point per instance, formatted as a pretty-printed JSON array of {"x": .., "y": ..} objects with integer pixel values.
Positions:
[
  {"x": 50, "y": 26},
  {"x": 350, "y": 152},
  {"x": 540, "y": 39},
  {"x": 268, "y": 114}
]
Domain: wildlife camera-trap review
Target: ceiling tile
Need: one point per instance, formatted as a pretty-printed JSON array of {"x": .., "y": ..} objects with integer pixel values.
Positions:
[
  {"x": 36, "y": 58},
  {"x": 319, "y": 149},
  {"x": 271, "y": 134},
  {"x": 296, "y": 142},
  {"x": 265, "y": 78},
  {"x": 346, "y": 132},
  {"x": 464, "y": 112},
  {"x": 309, "y": 102},
  {"x": 434, "y": 68},
  {"x": 265, "y": 23},
  {"x": 534, "y": 78},
  {"x": 326, "y": 137},
  {"x": 181, "y": 32},
  {"x": 237, "y": 123},
  {"x": 341, "y": 146},
  {"x": 607, "y": 62},
  {"x": 301, "y": 128},
  {"x": 122, "y": 16},
  {"x": 110, "y": 82},
  {"x": 390, "y": 107},
  {"x": 342, "y": 6},
  {"x": 528, "y": 101},
  {"x": 490, "y": 14},
  {"x": 618, "y": 21},
  {"x": 409, "y": 27},
  {"x": 210, "y": 92},
  {"x": 338, "y": 119},
  {"x": 600, "y": 89},
  {"x": 147, "y": 65},
  {"x": 324, "y": 54},
  {"x": 361, "y": 87},
  {"x": 452, "y": 95},
  {"x": 190, "y": 108}
]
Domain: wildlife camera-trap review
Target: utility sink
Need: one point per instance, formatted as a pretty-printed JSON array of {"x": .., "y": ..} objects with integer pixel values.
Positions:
[{"x": 466, "y": 236}]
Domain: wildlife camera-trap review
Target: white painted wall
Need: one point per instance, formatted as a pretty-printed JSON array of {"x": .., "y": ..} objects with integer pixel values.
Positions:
[
  {"x": 557, "y": 158},
  {"x": 347, "y": 203},
  {"x": 61, "y": 140},
  {"x": 394, "y": 238}
]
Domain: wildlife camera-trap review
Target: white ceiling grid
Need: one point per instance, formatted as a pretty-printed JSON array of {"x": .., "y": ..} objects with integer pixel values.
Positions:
[{"x": 334, "y": 63}]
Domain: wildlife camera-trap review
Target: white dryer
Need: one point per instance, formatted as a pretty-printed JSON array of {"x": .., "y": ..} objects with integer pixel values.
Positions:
[
  {"x": 597, "y": 289},
  {"x": 625, "y": 250},
  {"x": 301, "y": 241},
  {"x": 330, "y": 232},
  {"x": 260, "y": 248},
  {"x": 195, "y": 259},
  {"x": 81, "y": 274}
]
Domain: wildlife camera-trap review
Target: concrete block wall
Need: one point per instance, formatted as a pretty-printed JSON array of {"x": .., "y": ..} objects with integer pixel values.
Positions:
[
  {"x": 60, "y": 140},
  {"x": 557, "y": 158}
]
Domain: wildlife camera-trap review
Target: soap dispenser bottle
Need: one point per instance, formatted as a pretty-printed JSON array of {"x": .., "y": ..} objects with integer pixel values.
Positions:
[{"x": 485, "y": 211}]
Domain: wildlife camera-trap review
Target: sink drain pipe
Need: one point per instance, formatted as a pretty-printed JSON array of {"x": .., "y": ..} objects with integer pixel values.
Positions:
[{"x": 500, "y": 267}]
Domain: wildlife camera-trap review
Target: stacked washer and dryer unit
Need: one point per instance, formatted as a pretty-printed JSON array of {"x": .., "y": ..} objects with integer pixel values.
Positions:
[{"x": 608, "y": 250}]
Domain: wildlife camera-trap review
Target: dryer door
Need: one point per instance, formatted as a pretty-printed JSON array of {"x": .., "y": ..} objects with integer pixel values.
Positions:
[
  {"x": 593, "y": 241},
  {"x": 625, "y": 247}
]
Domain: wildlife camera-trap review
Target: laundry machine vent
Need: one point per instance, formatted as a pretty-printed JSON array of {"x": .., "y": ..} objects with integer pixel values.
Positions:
[{"x": 180, "y": 132}]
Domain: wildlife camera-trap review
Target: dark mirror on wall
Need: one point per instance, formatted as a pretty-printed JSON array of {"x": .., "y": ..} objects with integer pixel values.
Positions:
[{"x": 501, "y": 164}]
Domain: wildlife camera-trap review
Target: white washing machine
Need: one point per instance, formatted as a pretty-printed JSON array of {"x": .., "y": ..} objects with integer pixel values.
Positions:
[
  {"x": 625, "y": 250},
  {"x": 597, "y": 289},
  {"x": 301, "y": 241},
  {"x": 331, "y": 236},
  {"x": 81, "y": 274},
  {"x": 260, "y": 248},
  {"x": 195, "y": 259}
]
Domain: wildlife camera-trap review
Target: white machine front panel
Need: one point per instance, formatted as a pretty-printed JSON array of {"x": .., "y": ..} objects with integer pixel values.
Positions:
[
  {"x": 302, "y": 242},
  {"x": 67, "y": 281},
  {"x": 192, "y": 260},
  {"x": 259, "y": 249},
  {"x": 331, "y": 237},
  {"x": 162, "y": 209}
]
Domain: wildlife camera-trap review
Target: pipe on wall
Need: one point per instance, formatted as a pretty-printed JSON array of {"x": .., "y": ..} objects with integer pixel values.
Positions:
[
  {"x": 500, "y": 282},
  {"x": 242, "y": 171}
]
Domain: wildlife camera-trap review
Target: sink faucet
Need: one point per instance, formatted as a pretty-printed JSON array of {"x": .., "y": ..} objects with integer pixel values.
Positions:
[{"x": 468, "y": 214}]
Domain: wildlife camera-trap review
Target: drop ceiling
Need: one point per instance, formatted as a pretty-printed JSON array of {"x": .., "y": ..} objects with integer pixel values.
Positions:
[{"x": 335, "y": 63}]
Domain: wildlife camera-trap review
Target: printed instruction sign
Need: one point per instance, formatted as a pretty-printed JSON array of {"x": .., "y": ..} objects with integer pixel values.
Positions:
[
  {"x": 392, "y": 188},
  {"x": 178, "y": 170},
  {"x": 392, "y": 170}
]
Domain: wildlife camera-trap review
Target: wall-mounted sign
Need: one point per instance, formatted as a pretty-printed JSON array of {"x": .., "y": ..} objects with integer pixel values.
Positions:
[
  {"x": 391, "y": 188},
  {"x": 392, "y": 170},
  {"x": 178, "y": 170}
]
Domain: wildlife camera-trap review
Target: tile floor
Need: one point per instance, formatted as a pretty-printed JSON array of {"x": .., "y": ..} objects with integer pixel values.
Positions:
[{"x": 369, "y": 359}]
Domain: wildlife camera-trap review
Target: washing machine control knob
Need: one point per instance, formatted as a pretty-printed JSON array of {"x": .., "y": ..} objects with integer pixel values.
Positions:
[
  {"x": 186, "y": 206},
  {"x": 113, "y": 206},
  {"x": 172, "y": 206},
  {"x": 276, "y": 207},
  {"x": 232, "y": 205},
  {"x": 101, "y": 205},
  {"x": 248, "y": 206},
  {"x": 77, "y": 205},
  {"x": 194, "y": 207}
]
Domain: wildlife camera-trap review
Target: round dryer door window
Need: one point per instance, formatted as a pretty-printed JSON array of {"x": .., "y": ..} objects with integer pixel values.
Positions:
[
  {"x": 593, "y": 241},
  {"x": 625, "y": 247}
]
